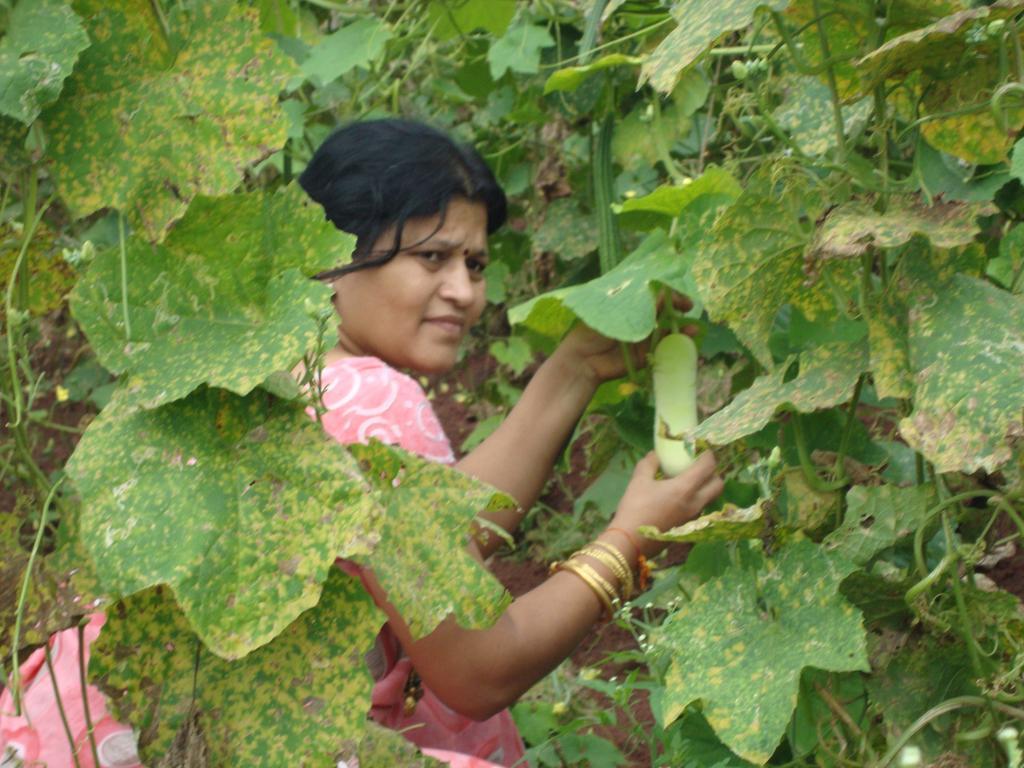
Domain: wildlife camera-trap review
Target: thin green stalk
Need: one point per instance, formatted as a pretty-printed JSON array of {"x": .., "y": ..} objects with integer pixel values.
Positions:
[
  {"x": 124, "y": 277},
  {"x": 165, "y": 29},
  {"x": 590, "y": 29},
  {"x": 973, "y": 652},
  {"x": 1018, "y": 55},
  {"x": 742, "y": 50},
  {"x": 23, "y": 596},
  {"x": 950, "y": 705},
  {"x": 60, "y": 706},
  {"x": 922, "y": 567},
  {"x": 810, "y": 472},
  {"x": 837, "y": 111},
  {"x": 85, "y": 694},
  {"x": 851, "y": 416},
  {"x": 642, "y": 31}
]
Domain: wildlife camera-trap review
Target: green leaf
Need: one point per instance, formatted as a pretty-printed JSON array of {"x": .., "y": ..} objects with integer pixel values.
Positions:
[
  {"x": 671, "y": 200},
  {"x": 359, "y": 44},
  {"x": 853, "y": 229},
  {"x": 384, "y": 747},
  {"x": 39, "y": 50},
  {"x": 1008, "y": 266},
  {"x": 973, "y": 132},
  {"x": 257, "y": 501},
  {"x": 461, "y": 17},
  {"x": 878, "y": 517},
  {"x": 1017, "y": 161},
  {"x": 890, "y": 353},
  {"x": 933, "y": 47},
  {"x": 848, "y": 27},
  {"x": 828, "y": 375},
  {"x": 752, "y": 264},
  {"x": 966, "y": 352},
  {"x": 225, "y": 300},
  {"x": 699, "y": 24},
  {"x": 806, "y": 115},
  {"x": 620, "y": 304},
  {"x": 519, "y": 50},
  {"x": 428, "y": 572},
  {"x": 301, "y": 700},
  {"x": 727, "y": 524},
  {"x": 145, "y": 129},
  {"x": 570, "y": 78},
  {"x": 716, "y": 643},
  {"x": 566, "y": 231}
]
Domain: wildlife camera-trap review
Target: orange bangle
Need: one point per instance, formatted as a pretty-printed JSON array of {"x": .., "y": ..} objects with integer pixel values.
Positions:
[{"x": 643, "y": 568}]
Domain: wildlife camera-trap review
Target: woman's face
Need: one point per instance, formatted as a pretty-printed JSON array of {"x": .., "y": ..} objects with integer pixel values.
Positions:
[{"x": 413, "y": 311}]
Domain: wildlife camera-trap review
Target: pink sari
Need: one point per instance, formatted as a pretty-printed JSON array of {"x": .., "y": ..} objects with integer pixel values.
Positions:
[{"x": 365, "y": 398}]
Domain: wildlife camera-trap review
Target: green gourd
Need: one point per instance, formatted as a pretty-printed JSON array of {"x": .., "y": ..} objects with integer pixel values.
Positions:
[{"x": 675, "y": 401}]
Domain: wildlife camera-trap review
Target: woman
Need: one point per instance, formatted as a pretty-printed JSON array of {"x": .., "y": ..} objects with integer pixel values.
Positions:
[{"x": 422, "y": 207}]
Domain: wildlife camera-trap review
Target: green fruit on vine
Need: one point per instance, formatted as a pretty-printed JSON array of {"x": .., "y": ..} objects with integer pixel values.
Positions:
[
  {"x": 675, "y": 401},
  {"x": 739, "y": 70}
]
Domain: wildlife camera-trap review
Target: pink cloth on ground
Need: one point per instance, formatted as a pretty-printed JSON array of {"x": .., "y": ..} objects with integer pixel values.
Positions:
[{"x": 366, "y": 399}]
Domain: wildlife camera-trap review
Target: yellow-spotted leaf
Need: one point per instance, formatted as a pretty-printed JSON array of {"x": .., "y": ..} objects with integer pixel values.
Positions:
[
  {"x": 890, "y": 355},
  {"x": 717, "y": 642},
  {"x": 239, "y": 504},
  {"x": 967, "y": 355},
  {"x": 225, "y": 300},
  {"x": 806, "y": 114},
  {"x": 300, "y": 700},
  {"x": 699, "y": 23},
  {"x": 877, "y": 518},
  {"x": 731, "y": 523},
  {"x": 42, "y": 42},
  {"x": 144, "y": 126},
  {"x": 853, "y": 229},
  {"x": 384, "y": 747},
  {"x": 50, "y": 276},
  {"x": 827, "y": 377},
  {"x": 753, "y": 263},
  {"x": 849, "y": 27},
  {"x": 426, "y": 569},
  {"x": 933, "y": 47}
]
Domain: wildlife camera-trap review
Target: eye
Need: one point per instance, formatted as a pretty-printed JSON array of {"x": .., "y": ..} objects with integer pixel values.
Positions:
[
  {"x": 476, "y": 266},
  {"x": 431, "y": 257}
]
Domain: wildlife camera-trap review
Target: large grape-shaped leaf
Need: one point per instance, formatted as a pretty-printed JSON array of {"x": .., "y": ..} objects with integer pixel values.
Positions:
[
  {"x": 827, "y": 377},
  {"x": 807, "y": 116},
  {"x": 890, "y": 355},
  {"x": 711, "y": 190},
  {"x": 225, "y": 300},
  {"x": 717, "y": 643},
  {"x": 427, "y": 571},
  {"x": 43, "y": 40},
  {"x": 753, "y": 263},
  {"x": 877, "y": 518},
  {"x": 853, "y": 229},
  {"x": 699, "y": 24},
  {"x": 849, "y": 27},
  {"x": 144, "y": 127},
  {"x": 300, "y": 700},
  {"x": 621, "y": 303},
  {"x": 239, "y": 504},
  {"x": 967, "y": 354},
  {"x": 933, "y": 47}
]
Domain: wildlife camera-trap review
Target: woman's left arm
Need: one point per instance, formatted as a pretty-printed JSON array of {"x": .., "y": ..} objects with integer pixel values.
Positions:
[{"x": 518, "y": 456}]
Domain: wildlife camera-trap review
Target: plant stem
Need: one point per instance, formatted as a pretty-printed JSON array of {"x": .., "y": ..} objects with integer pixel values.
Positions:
[
  {"x": 124, "y": 277},
  {"x": 837, "y": 111},
  {"x": 810, "y": 473},
  {"x": 22, "y": 597},
  {"x": 60, "y": 706},
  {"x": 938, "y": 508},
  {"x": 973, "y": 652},
  {"x": 851, "y": 416},
  {"x": 85, "y": 694}
]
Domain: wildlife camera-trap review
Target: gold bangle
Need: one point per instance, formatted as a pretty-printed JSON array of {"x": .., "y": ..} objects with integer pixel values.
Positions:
[
  {"x": 613, "y": 565},
  {"x": 601, "y": 588},
  {"x": 610, "y": 555}
]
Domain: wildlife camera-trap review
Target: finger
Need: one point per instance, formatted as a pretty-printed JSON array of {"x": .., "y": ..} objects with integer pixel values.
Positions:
[
  {"x": 697, "y": 474},
  {"x": 647, "y": 466},
  {"x": 708, "y": 492}
]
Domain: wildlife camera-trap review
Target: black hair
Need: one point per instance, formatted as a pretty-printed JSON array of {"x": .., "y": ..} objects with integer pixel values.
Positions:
[{"x": 375, "y": 174}]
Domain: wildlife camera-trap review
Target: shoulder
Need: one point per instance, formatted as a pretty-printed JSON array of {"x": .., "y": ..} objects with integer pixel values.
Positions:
[{"x": 367, "y": 398}]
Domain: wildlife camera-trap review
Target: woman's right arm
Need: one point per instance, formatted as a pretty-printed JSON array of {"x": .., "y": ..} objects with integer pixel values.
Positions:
[{"x": 480, "y": 672}]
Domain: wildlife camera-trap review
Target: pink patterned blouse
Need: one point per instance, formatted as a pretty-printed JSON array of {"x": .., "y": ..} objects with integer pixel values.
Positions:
[{"x": 365, "y": 399}]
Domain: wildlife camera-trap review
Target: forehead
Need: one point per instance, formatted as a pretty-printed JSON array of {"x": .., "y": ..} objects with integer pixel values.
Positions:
[{"x": 463, "y": 223}]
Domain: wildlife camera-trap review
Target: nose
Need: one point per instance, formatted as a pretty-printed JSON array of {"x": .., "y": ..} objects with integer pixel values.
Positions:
[{"x": 457, "y": 284}]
